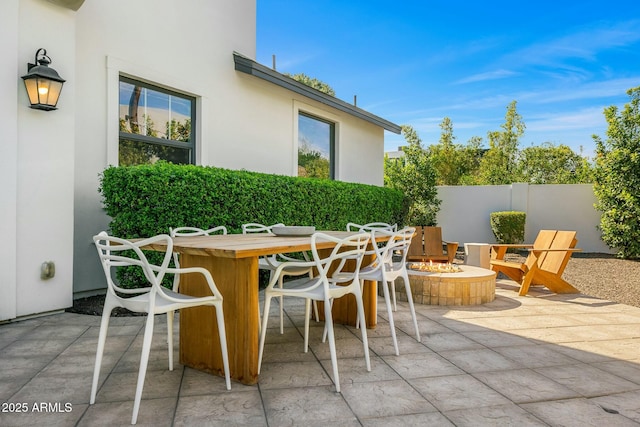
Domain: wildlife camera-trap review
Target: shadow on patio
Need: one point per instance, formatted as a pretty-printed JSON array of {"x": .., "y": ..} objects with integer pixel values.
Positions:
[{"x": 542, "y": 359}]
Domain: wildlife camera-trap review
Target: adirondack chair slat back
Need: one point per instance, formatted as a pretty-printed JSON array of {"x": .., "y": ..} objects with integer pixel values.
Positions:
[
  {"x": 543, "y": 241},
  {"x": 416, "y": 249},
  {"x": 555, "y": 262},
  {"x": 433, "y": 241}
]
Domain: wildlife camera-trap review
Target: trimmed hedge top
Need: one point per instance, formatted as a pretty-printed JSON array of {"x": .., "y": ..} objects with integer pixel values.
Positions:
[
  {"x": 146, "y": 200},
  {"x": 508, "y": 226}
]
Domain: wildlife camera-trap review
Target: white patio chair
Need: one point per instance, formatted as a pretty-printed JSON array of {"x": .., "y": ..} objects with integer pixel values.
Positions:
[
  {"x": 321, "y": 288},
  {"x": 270, "y": 263},
  {"x": 190, "y": 232},
  {"x": 389, "y": 264},
  {"x": 114, "y": 253},
  {"x": 352, "y": 226},
  {"x": 368, "y": 228}
]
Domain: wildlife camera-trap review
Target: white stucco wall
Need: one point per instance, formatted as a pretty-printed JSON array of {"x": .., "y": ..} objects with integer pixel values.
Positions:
[
  {"x": 464, "y": 213},
  {"x": 9, "y": 73},
  {"x": 37, "y": 162}
]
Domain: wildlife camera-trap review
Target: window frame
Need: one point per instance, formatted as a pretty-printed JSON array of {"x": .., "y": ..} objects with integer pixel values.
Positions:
[
  {"x": 190, "y": 145},
  {"x": 325, "y": 117}
]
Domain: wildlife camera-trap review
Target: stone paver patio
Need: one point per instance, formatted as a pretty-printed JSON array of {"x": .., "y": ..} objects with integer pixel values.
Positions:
[{"x": 543, "y": 359}]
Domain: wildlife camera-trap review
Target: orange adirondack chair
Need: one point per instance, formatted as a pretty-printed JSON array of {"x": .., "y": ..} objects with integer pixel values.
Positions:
[
  {"x": 548, "y": 257},
  {"x": 427, "y": 245}
]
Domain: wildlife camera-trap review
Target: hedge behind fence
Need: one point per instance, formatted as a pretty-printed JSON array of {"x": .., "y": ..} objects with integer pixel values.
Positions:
[{"x": 148, "y": 199}]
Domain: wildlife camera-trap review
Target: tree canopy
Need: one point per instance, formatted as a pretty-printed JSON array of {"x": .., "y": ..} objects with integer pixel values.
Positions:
[
  {"x": 415, "y": 176},
  {"x": 617, "y": 177}
]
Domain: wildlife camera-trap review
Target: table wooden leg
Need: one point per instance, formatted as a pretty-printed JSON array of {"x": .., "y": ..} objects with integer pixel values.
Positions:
[{"x": 237, "y": 280}]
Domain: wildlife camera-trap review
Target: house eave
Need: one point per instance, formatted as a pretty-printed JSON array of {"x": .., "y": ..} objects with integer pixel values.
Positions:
[{"x": 249, "y": 66}]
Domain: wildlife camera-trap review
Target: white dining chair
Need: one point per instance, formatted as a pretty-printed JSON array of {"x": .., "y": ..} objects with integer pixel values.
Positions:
[
  {"x": 352, "y": 226},
  {"x": 190, "y": 232},
  {"x": 321, "y": 288},
  {"x": 115, "y": 253},
  {"x": 390, "y": 263},
  {"x": 270, "y": 263},
  {"x": 369, "y": 228}
]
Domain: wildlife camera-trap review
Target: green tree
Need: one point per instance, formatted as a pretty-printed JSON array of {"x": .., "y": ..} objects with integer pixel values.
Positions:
[
  {"x": 415, "y": 176},
  {"x": 313, "y": 82},
  {"x": 551, "y": 164},
  {"x": 454, "y": 163},
  {"x": 617, "y": 178},
  {"x": 498, "y": 165}
]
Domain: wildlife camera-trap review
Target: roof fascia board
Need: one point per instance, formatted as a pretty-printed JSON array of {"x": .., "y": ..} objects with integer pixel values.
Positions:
[{"x": 249, "y": 66}]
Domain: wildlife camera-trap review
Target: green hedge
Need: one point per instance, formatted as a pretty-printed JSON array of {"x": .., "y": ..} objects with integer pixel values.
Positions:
[
  {"x": 508, "y": 226},
  {"x": 148, "y": 199}
]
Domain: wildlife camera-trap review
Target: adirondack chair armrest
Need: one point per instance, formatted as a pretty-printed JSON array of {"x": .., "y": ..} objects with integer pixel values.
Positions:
[
  {"x": 511, "y": 245},
  {"x": 498, "y": 250},
  {"x": 555, "y": 250},
  {"x": 452, "y": 248}
]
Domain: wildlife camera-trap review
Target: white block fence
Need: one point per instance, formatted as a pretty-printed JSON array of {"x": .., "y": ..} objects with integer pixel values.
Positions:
[{"x": 464, "y": 212}]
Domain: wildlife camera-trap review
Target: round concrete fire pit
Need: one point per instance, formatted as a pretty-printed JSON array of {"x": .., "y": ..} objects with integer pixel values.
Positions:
[{"x": 469, "y": 286}]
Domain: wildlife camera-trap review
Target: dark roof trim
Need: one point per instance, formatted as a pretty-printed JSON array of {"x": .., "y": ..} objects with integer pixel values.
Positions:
[{"x": 249, "y": 66}]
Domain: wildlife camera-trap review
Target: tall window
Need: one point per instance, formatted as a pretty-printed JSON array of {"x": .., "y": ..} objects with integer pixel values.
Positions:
[
  {"x": 155, "y": 124},
  {"x": 316, "y": 147}
]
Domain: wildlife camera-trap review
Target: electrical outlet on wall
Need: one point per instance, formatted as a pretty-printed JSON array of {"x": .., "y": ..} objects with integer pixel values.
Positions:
[{"x": 47, "y": 270}]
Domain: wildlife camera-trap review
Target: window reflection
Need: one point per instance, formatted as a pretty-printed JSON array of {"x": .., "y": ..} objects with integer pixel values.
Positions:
[
  {"x": 152, "y": 121},
  {"x": 315, "y": 147}
]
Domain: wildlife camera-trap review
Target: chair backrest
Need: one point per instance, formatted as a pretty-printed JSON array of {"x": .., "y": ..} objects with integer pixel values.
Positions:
[
  {"x": 253, "y": 227},
  {"x": 416, "y": 250},
  {"x": 433, "y": 241},
  {"x": 544, "y": 239},
  {"x": 115, "y": 252},
  {"x": 556, "y": 261},
  {"x": 396, "y": 249},
  {"x": 345, "y": 258},
  {"x": 427, "y": 245},
  {"x": 352, "y": 226},
  {"x": 195, "y": 231}
]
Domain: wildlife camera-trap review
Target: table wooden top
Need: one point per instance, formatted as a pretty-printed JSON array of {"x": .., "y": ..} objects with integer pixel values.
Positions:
[{"x": 246, "y": 245}]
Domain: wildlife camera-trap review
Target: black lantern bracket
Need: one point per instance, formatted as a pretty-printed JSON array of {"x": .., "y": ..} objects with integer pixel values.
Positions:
[{"x": 43, "y": 83}]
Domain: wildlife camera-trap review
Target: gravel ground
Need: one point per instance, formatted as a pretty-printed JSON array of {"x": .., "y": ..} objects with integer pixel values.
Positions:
[
  {"x": 594, "y": 274},
  {"x": 603, "y": 276}
]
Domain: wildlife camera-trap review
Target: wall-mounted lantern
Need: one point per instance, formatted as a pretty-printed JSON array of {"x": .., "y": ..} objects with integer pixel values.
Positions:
[{"x": 43, "y": 83}]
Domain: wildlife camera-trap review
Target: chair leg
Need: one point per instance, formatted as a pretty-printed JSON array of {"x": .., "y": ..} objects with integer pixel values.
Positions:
[
  {"x": 263, "y": 330},
  {"x": 393, "y": 295},
  {"x": 170, "y": 315},
  {"x": 407, "y": 287},
  {"x": 365, "y": 341},
  {"x": 102, "y": 338},
  {"x": 281, "y": 315},
  {"x": 332, "y": 343},
  {"x": 280, "y": 302},
  {"x": 392, "y": 326},
  {"x": 324, "y": 333},
  {"x": 144, "y": 361},
  {"x": 361, "y": 290},
  {"x": 315, "y": 310},
  {"x": 223, "y": 343},
  {"x": 307, "y": 309}
]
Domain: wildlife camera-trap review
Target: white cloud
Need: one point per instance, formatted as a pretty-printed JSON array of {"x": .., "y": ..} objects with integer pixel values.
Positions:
[
  {"x": 489, "y": 75},
  {"x": 583, "y": 44}
]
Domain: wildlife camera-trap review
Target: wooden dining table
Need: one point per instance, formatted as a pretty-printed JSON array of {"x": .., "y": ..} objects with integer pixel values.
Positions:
[{"x": 232, "y": 260}]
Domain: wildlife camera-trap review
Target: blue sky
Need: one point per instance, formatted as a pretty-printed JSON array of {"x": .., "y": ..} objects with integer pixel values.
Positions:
[{"x": 416, "y": 62}]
